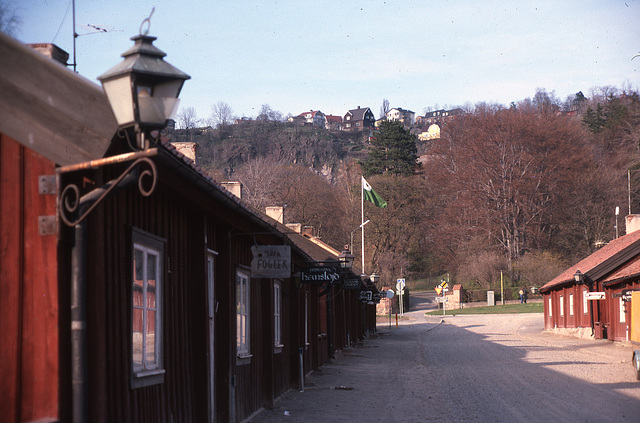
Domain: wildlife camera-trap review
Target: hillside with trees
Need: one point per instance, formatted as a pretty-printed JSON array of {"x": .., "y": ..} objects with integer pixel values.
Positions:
[{"x": 523, "y": 190}]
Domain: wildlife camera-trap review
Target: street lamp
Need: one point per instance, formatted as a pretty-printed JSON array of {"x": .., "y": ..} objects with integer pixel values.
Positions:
[
  {"x": 374, "y": 278},
  {"x": 579, "y": 277},
  {"x": 346, "y": 258},
  {"x": 143, "y": 90},
  {"x": 361, "y": 225}
]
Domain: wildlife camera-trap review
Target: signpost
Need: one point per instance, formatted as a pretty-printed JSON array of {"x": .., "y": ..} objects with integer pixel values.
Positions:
[{"x": 400, "y": 287}]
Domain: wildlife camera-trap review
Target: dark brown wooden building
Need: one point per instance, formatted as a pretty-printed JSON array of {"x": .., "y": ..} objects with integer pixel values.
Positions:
[{"x": 149, "y": 309}]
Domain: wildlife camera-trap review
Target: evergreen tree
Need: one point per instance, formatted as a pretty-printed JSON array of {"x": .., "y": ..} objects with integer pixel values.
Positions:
[{"x": 393, "y": 151}]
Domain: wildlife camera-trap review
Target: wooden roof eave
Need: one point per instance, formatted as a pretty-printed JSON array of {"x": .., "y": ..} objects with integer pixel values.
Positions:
[{"x": 48, "y": 108}]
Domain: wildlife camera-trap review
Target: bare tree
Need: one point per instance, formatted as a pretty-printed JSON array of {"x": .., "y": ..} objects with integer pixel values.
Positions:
[
  {"x": 268, "y": 114},
  {"x": 188, "y": 118},
  {"x": 10, "y": 22},
  {"x": 384, "y": 108},
  {"x": 262, "y": 181},
  {"x": 221, "y": 114}
]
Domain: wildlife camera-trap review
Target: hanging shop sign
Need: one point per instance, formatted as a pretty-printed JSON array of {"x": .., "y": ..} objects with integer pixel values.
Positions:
[
  {"x": 366, "y": 295},
  {"x": 320, "y": 275},
  {"x": 271, "y": 261},
  {"x": 352, "y": 282}
]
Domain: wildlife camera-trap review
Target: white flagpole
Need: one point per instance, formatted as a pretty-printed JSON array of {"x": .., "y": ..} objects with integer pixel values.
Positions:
[{"x": 362, "y": 218}]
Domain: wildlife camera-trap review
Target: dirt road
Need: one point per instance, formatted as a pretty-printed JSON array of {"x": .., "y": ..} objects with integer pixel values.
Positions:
[{"x": 492, "y": 368}]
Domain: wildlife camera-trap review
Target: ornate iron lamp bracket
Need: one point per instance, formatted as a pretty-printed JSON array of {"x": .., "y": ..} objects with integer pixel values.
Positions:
[{"x": 74, "y": 208}]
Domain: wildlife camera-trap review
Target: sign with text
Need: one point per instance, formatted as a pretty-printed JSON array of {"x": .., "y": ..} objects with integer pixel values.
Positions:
[
  {"x": 320, "y": 275},
  {"x": 352, "y": 283},
  {"x": 594, "y": 295},
  {"x": 626, "y": 295},
  {"x": 366, "y": 295},
  {"x": 271, "y": 261}
]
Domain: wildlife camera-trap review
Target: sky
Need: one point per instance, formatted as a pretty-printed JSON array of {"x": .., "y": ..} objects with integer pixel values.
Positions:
[{"x": 334, "y": 56}]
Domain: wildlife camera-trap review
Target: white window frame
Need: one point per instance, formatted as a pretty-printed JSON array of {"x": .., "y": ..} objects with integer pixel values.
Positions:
[
  {"x": 570, "y": 304},
  {"x": 623, "y": 318},
  {"x": 277, "y": 315},
  {"x": 585, "y": 302},
  {"x": 146, "y": 371},
  {"x": 561, "y": 302},
  {"x": 550, "y": 306},
  {"x": 243, "y": 314}
]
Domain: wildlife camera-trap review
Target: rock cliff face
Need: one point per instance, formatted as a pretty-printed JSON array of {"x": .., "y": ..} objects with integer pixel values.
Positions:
[{"x": 228, "y": 148}]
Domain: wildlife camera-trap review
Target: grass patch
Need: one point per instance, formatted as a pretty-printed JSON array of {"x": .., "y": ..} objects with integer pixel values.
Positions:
[{"x": 497, "y": 309}]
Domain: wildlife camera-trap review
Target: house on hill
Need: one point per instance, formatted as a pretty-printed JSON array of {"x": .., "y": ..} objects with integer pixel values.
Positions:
[
  {"x": 334, "y": 123},
  {"x": 358, "y": 120},
  {"x": 407, "y": 117},
  {"x": 438, "y": 117},
  {"x": 312, "y": 117}
]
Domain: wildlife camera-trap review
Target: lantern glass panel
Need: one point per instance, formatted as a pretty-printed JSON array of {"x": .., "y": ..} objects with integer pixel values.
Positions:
[{"x": 120, "y": 97}]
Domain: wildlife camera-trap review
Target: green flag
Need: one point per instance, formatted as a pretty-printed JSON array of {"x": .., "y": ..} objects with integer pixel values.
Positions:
[{"x": 370, "y": 195}]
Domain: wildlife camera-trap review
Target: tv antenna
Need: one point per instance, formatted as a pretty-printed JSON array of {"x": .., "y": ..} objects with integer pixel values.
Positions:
[{"x": 89, "y": 29}]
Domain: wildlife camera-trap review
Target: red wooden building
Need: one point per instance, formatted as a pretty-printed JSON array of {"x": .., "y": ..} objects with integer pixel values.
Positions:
[
  {"x": 149, "y": 309},
  {"x": 589, "y": 297}
]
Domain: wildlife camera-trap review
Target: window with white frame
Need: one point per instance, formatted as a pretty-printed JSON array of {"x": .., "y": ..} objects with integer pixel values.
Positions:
[
  {"x": 277, "y": 314},
  {"x": 549, "y": 306},
  {"x": 242, "y": 313},
  {"x": 585, "y": 302},
  {"x": 146, "y": 310},
  {"x": 570, "y": 304},
  {"x": 622, "y": 316},
  {"x": 561, "y": 303}
]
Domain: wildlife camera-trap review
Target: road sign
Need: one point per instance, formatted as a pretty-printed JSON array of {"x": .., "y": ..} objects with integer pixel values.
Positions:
[
  {"x": 442, "y": 300},
  {"x": 400, "y": 285},
  {"x": 438, "y": 290},
  {"x": 390, "y": 293},
  {"x": 594, "y": 295}
]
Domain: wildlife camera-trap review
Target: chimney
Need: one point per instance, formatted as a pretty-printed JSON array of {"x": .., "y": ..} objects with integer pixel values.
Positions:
[
  {"x": 295, "y": 227},
  {"x": 307, "y": 231},
  {"x": 234, "y": 188},
  {"x": 51, "y": 51},
  {"x": 276, "y": 213},
  {"x": 189, "y": 149},
  {"x": 632, "y": 222}
]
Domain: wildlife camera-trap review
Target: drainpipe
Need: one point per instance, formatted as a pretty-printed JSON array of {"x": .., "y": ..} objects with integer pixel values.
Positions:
[
  {"x": 330, "y": 321},
  {"x": 79, "y": 326},
  {"x": 79, "y": 373}
]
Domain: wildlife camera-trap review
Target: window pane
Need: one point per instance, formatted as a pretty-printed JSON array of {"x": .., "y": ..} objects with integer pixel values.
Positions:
[
  {"x": 137, "y": 338},
  {"x": 137, "y": 293},
  {"x": 151, "y": 267},
  {"x": 151, "y": 340},
  {"x": 138, "y": 262}
]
